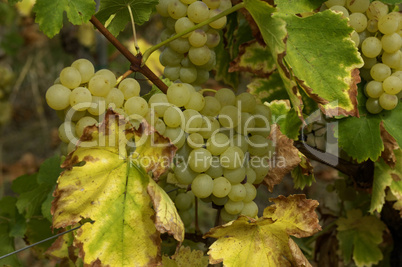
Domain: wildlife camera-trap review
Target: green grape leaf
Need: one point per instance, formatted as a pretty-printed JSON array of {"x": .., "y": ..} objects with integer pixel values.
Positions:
[
  {"x": 30, "y": 203},
  {"x": 384, "y": 177},
  {"x": 38, "y": 230},
  {"x": 112, "y": 190},
  {"x": 268, "y": 89},
  {"x": 359, "y": 236},
  {"x": 24, "y": 183},
  {"x": 7, "y": 246},
  {"x": 298, "y": 6},
  {"x": 19, "y": 226},
  {"x": 49, "y": 171},
  {"x": 7, "y": 207},
  {"x": 253, "y": 58},
  {"x": 392, "y": 121},
  {"x": 266, "y": 241},
  {"x": 324, "y": 31},
  {"x": 47, "y": 205},
  {"x": 285, "y": 117},
  {"x": 49, "y": 13},
  {"x": 119, "y": 14}
]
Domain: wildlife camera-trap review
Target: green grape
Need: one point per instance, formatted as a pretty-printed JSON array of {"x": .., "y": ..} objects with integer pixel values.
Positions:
[
  {"x": 387, "y": 101},
  {"x": 219, "y": 23},
  {"x": 358, "y": 21},
  {"x": 115, "y": 98},
  {"x": 246, "y": 124},
  {"x": 82, "y": 123},
  {"x": 58, "y": 97},
  {"x": 109, "y": 75},
  {"x": 219, "y": 201},
  {"x": 212, "y": 4},
  {"x": 355, "y": 38},
  {"x": 380, "y": 72},
  {"x": 217, "y": 143},
  {"x": 158, "y": 103},
  {"x": 70, "y": 147},
  {"x": 371, "y": 47},
  {"x": 172, "y": 72},
  {"x": 178, "y": 94},
  {"x": 250, "y": 209},
  {"x": 389, "y": 23},
  {"x": 85, "y": 68},
  {"x": 229, "y": 116},
  {"x": 237, "y": 193},
  {"x": 202, "y": 186},
  {"x": 213, "y": 38},
  {"x": 246, "y": 102},
  {"x": 198, "y": 12},
  {"x": 392, "y": 85},
  {"x": 150, "y": 117},
  {"x": 240, "y": 141},
  {"x": 188, "y": 1},
  {"x": 71, "y": 114},
  {"x": 374, "y": 89},
  {"x": 80, "y": 98},
  {"x": 162, "y": 7},
  {"x": 169, "y": 24},
  {"x": 170, "y": 57},
  {"x": 376, "y": 10},
  {"x": 188, "y": 75},
  {"x": 200, "y": 160},
  {"x": 215, "y": 170},
  {"x": 195, "y": 140},
  {"x": 226, "y": 216},
  {"x": 398, "y": 74},
  {"x": 196, "y": 101},
  {"x": 99, "y": 85},
  {"x": 67, "y": 132},
  {"x": 136, "y": 105},
  {"x": 70, "y": 77},
  {"x": 234, "y": 207},
  {"x": 369, "y": 62},
  {"x": 98, "y": 105},
  {"x": 258, "y": 145},
  {"x": 192, "y": 120},
  {"x": 173, "y": 117},
  {"x": 183, "y": 201},
  {"x": 199, "y": 55},
  {"x": 197, "y": 38},
  {"x": 392, "y": 60},
  {"x": 373, "y": 106},
  {"x": 331, "y": 3},
  {"x": 226, "y": 97},
  {"x": 177, "y": 9},
  {"x": 251, "y": 192},
  {"x": 211, "y": 107},
  {"x": 202, "y": 76},
  {"x": 391, "y": 42},
  {"x": 209, "y": 126},
  {"x": 185, "y": 62},
  {"x": 186, "y": 217},
  {"x": 222, "y": 187},
  {"x": 340, "y": 9},
  {"x": 176, "y": 136},
  {"x": 357, "y": 5},
  {"x": 183, "y": 24},
  {"x": 160, "y": 126},
  {"x": 166, "y": 34},
  {"x": 261, "y": 167},
  {"x": 225, "y": 4},
  {"x": 130, "y": 87},
  {"x": 211, "y": 62},
  {"x": 372, "y": 25},
  {"x": 180, "y": 45},
  {"x": 235, "y": 176},
  {"x": 250, "y": 175},
  {"x": 232, "y": 158}
]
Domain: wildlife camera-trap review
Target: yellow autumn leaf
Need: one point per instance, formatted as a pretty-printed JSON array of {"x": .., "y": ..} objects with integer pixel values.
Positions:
[
  {"x": 102, "y": 184},
  {"x": 266, "y": 241}
]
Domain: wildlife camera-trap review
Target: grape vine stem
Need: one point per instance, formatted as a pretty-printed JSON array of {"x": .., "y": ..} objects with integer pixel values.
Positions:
[{"x": 135, "y": 61}]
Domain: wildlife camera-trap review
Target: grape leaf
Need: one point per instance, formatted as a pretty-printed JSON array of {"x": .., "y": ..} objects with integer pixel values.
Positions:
[
  {"x": 39, "y": 229},
  {"x": 49, "y": 13},
  {"x": 268, "y": 89},
  {"x": 7, "y": 246},
  {"x": 187, "y": 257},
  {"x": 49, "y": 170},
  {"x": 360, "y": 236},
  {"x": 392, "y": 121},
  {"x": 385, "y": 176},
  {"x": 60, "y": 247},
  {"x": 141, "y": 10},
  {"x": 253, "y": 58},
  {"x": 29, "y": 203},
  {"x": 298, "y": 6},
  {"x": 112, "y": 191},
  {"x": 266, "y": 241},
  {"x": 303, "y": 174}
]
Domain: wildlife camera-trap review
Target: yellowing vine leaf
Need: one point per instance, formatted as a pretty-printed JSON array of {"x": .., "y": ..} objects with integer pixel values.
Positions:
[
  {"x": 102, "y": 184},
  {"x": 266, "y": 241},
  {"x": 187, "y": 257}
]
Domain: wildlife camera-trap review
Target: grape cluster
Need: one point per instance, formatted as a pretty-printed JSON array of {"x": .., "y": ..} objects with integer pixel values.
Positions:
[
  {"x": 378, "y": 35},
  {"x": 190, "y": 58},
  {"x": 81, "y": 97}
]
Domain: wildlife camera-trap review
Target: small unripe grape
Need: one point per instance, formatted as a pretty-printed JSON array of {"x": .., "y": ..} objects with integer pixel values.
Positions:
[
  {"x": 80, "y": 98},
  {"x": 70, "y": 77},
  {"x": 387, "y": 101},
  {"x": 86, "y": 69},
  {"x": 58, "y": 97}
]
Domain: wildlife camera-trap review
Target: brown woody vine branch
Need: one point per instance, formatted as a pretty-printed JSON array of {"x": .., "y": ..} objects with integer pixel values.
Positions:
[{"x": 135, "y": 61}]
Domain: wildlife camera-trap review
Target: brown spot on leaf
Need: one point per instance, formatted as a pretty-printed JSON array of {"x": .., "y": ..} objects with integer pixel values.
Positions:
[
  {"x": 286, "y": 153},
  {"x": 390, "y": 145}
]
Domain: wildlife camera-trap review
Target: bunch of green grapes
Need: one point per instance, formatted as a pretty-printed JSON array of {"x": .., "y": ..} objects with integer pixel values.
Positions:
[
  {"x": 378, "y": 35},
  {"x": 81, "y": 97},
  {"x": 223, "y": 150},
  {"x": 190, "y": 58}
]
